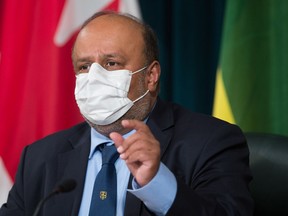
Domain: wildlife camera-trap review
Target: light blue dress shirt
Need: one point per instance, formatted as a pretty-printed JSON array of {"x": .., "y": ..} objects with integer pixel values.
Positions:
[{"x": 158, "y": 195}]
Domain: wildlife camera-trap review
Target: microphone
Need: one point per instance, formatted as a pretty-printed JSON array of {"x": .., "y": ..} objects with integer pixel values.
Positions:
[{"x": 66, "y": 186}]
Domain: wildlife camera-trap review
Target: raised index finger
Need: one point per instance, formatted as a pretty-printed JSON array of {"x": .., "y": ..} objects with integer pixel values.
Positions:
[
  {"x": 134, "y": 124},
  {"x": 116, "y": 138}
]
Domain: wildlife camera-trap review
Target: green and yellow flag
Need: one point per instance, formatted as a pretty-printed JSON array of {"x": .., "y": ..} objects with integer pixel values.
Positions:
[{"x": 252, "y": 80}]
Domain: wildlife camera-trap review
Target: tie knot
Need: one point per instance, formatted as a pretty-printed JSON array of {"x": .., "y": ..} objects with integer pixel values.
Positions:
[{"x": 109, "y": 154}]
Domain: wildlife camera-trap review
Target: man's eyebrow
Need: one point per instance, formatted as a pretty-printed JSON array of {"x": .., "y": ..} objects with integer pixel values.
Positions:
[
  {"x": 103, "y": 56},
  {"x": 85, "y": 59},
  {"x": 113, "y": 55}
]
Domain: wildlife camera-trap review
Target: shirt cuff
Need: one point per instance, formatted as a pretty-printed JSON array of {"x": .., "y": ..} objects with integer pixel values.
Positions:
[{"x": 159, "y": 194}]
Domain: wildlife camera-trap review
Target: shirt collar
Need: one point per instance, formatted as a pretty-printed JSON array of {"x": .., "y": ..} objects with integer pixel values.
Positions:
[{"x": 97, "y": 139}]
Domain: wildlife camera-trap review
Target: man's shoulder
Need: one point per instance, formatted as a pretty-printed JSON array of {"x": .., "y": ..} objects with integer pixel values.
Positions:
[
  {"x": 183, "y": 115},
  {"x": 61, "y": 139},
  {"x": 68, "y": 132}
]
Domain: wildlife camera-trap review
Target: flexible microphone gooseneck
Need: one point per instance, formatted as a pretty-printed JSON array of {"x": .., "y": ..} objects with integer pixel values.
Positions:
[{"x": 64, "y": 187}]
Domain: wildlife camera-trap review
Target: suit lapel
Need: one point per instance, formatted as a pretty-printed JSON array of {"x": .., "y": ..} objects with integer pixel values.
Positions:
[
  {"x": 72, "y": 164},
  {"x": 160, "y": 123},
  {"x": 133, "y": 204}
]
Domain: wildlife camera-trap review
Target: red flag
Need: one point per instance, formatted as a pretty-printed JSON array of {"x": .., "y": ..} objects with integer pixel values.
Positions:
[{"x": 37, "y": 78}]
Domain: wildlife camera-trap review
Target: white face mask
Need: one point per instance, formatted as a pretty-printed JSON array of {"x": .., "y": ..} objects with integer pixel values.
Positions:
[{"x": 101, "y": 95}]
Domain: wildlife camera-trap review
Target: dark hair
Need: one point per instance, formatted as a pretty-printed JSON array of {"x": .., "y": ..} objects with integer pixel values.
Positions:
[{"x": 151, "y": 49}]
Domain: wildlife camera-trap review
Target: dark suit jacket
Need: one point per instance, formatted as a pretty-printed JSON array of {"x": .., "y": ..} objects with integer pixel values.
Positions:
[{"x": 209, "y": 158}]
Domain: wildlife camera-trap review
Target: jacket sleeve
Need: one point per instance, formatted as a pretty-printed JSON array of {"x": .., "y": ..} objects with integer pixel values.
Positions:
[
  {"x": 218, "y": 184},
  {"x": 15, "y": 202}
]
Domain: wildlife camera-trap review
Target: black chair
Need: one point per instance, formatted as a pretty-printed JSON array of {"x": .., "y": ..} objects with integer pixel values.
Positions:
[{"x": 269, "y": 165}]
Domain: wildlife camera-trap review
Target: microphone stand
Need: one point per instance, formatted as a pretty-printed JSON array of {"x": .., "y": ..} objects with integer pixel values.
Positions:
[
  {"x": 65, "y": 187},
  {"x": 41, "y": 203}
]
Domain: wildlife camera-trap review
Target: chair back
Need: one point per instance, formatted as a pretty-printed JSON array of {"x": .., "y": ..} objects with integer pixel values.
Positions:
[{"x": 269, "y": 165}]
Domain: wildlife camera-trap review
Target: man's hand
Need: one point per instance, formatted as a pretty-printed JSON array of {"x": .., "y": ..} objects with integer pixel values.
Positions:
[{"x": 141, "y": 151}]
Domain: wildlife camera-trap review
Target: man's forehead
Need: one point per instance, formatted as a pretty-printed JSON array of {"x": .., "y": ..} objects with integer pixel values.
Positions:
[
  {"x": 115, "y": 20},
  {"x": 109, "y": 35}
]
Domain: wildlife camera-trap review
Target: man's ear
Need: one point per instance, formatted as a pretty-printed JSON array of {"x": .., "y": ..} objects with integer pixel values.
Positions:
[{"x": 153, "y": 76}]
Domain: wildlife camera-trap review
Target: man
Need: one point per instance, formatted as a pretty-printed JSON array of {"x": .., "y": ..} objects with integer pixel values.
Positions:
[{"x": 180, "y": 163}]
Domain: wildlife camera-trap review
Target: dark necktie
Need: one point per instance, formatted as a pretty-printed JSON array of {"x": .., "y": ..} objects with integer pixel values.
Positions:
[{"x": 104, "y": 197}]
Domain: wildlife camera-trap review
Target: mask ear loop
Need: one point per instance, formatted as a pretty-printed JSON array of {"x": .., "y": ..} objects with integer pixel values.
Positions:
[
  {"x": 141, "y": 96},
  {"x": 138, "y": 70},
  {"x": 147, "y": 90}
]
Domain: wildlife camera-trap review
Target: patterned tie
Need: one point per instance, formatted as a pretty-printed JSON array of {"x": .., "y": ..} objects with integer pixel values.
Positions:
[{"x": 104, "y": 197}]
